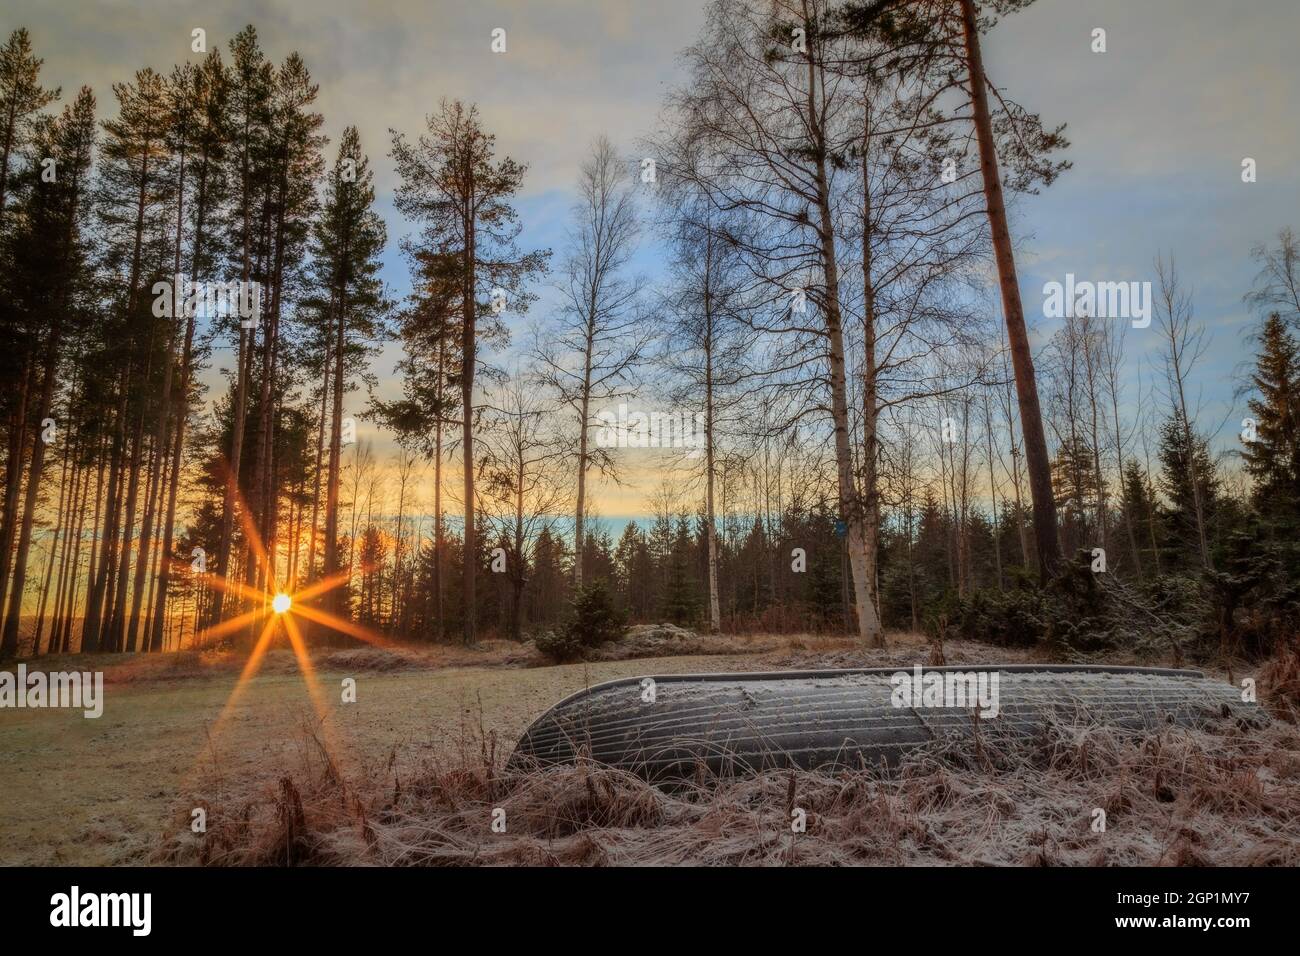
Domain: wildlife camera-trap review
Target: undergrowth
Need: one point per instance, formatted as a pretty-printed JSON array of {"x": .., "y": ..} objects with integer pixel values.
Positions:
[{"x": 1230, "y": 796}]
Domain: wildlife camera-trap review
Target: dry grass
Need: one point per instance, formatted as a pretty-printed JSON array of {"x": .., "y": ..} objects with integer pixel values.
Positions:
[
  {"x": 1227, "y": 797},
  {"x": 1279, "y": 682},
  {"x": 205, "y": 664},
  {"x": 99, "y": 792},
  {"x": 417, "y": 776}
]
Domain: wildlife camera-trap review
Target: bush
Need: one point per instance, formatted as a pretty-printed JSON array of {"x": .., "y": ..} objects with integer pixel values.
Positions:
[
  {"x": 558, "y": 645},
  {"x": 1016, "y": 618},
  {"x": 595, "y": 621}
]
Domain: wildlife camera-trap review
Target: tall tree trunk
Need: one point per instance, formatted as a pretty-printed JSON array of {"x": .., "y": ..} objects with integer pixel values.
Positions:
[
  {"x": 117, "y": 615},
  {"x": 241, "y": 389},
  {"x": 330, "y": 543},
  {"x": 144, "y": 551},
  {"x": 468, "y": 361},
  {"x": 164, "y": 411},
  {"x": 262, "y": 487},
  {"x": 580, "y": 512},
  {"x": 77, "y": 510},
  {"x": 710, "y": 516},
  {"x": 156, "y": 636},
  {"x": 437, "y": 489},
  {"x": 18, "y": 582},
  {"x": 89, "y": 638},
  {"x": 155, "y": 551},
  {"x": 97, "y": 639},
  {"x": 1031, "y": 417},
  {"x": 320, "y": 456},
  {"x": 14, "y": 473},
  {"x": 60, "y": 520},
  {"x": 993, "y": 495},
  {"x": 8, "y": 643},
  {"x": 852, "y": 509},
  {"x": 870, "y": 392},
  {"x": 231, "y": 495},
  {"x": 117, "y": 595}
]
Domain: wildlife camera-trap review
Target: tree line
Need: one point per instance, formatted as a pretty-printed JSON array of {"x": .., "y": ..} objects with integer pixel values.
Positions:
[{"x": 859, "y": 445}]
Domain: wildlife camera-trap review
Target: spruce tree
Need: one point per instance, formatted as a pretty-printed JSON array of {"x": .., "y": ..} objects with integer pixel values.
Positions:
[
  {"x": 1181, "y": 465},
  {"x": 1273, "y": 454}
]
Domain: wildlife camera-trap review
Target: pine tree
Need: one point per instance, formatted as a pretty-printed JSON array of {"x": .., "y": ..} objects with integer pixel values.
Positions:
[
  {"x": 451, "y": 182},
  {"x": 21, "y": 100},
  {"x": 49, "y": 292},
  {"x": 291, "y": 167},
  {"x": 348, "y": 241},
  {"x": 1273, "y": 454},
  {"x": 547, "y": 589},
  {"x": 135, "y": 183},
  {"x": 595, "y": 620},
  {"x": 430, "y": 370},
  {"x": 200, "y": 128},
  {"x": 250, "y": 81},
  {"x": 1076, "y": 486}
]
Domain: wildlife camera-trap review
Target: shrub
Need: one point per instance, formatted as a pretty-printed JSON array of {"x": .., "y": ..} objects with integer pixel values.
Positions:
[
  {"x": 558, "y": 645},
  {"x": 1017, "y": 618},
  {"x": 594, "y": 621}
]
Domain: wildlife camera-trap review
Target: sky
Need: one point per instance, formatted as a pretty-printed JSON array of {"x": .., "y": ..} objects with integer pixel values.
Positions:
[{"x": 1159, "y": 123}]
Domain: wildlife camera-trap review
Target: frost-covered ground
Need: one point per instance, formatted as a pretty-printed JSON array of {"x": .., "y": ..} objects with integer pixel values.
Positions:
[{"x": 412, "y": 772}]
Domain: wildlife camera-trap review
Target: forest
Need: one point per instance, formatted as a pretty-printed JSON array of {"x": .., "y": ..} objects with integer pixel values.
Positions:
[{"x": 196, "y": 420}]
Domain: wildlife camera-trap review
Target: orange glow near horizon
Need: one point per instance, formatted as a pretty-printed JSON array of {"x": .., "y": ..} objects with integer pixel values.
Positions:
[{"x": 277, "y": 609}]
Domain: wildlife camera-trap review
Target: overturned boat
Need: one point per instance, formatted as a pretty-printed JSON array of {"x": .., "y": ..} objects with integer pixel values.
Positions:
[{"x": 674, "y": 727}]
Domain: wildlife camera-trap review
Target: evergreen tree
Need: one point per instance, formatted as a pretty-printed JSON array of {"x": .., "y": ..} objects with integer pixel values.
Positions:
[
  {"x": 1182, "y": 464},
  {"x": 290, "y": 168},
  {"x": 1076, "y": 485},
  {"x": 200, "y": 131},
  {"x": 430, "y": 369},
  {"x": 452, "y": 183},
  {"x": 595, "y": 620},
  {"x": 348, "y": 241},
  {"x": 634, "y": 573},
  {"x": 547, "y": 589},
  {"x": 1273, "y": 455},
  {"x": 1141, "y": 505},
  {"x": 250, "y": 82},
  {"x": 49, "y": 291},
  {"x": 135, "y": 192},
  {"x": 681, "y": 600},
  {"x": 21, "y": 100}
]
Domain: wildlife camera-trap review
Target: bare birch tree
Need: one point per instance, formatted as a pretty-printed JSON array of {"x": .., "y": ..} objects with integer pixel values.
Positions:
[{"x": 590, "y": 353}]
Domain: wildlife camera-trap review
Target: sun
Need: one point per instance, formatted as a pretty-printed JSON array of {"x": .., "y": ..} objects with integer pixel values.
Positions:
[{"x": 288, "y": 606}]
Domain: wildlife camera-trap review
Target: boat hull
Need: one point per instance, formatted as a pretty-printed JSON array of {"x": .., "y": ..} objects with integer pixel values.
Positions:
[{"x": 725, "y": 724}]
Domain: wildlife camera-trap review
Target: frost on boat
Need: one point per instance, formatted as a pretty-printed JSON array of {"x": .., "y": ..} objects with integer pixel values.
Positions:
[{"x": 670, "y": 727}]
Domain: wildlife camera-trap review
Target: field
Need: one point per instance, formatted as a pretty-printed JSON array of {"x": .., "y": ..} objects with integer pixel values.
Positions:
[
  {"x": 101, "y": 791},
  {"x": 411, "y": 772}
]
